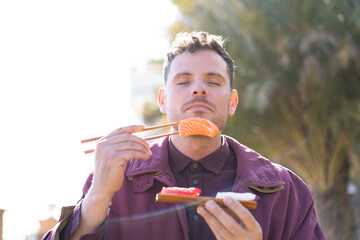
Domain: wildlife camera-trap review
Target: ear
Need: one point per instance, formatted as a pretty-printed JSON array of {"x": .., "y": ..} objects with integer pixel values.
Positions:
[
  {"x": 234, "y": 100},
  {"x": 161, "y": 100}
]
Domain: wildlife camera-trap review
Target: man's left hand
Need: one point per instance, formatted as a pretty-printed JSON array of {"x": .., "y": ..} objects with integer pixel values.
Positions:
[{"x": 224, "y": 226}]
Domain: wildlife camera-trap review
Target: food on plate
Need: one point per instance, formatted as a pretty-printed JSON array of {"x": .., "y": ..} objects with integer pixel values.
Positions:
[
  {"x": 190, "y": 196},
  {"x": 197, "y": 126}
]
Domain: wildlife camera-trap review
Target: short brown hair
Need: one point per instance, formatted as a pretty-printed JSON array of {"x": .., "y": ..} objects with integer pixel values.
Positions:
[{"x": 196, "y": 41}]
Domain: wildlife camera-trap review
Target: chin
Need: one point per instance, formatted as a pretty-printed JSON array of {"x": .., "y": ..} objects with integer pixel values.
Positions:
[
  {"x": 198, "y": 137},
  {"x": 198, "y": 114}
]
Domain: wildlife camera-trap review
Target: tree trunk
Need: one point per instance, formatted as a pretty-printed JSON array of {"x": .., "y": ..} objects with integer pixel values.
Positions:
[{"x": 334, "y": 208}]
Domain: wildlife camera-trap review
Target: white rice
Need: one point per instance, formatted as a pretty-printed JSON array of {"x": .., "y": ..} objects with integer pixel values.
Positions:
[{"x": 236, "y": 196}]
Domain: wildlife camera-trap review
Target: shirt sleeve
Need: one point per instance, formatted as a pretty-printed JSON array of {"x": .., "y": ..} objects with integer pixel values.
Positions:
[
  {"x": 310, "y": 228},
  {"x": 69, "y": 221},
  {"x": 307, "y": 225},
  {"x": 54, "y": 233}
]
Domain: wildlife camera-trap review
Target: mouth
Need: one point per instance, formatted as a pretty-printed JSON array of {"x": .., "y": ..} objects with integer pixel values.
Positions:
[{"x": 199, "y": 106}]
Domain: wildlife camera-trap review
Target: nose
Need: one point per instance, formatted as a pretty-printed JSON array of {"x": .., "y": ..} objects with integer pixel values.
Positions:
[{"x": 199, "y": 89}]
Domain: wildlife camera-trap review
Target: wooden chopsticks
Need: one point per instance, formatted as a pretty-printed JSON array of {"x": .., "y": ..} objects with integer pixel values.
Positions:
[
  {"x": 198, "y": 200},
  {"x": 145, "y": 129}
]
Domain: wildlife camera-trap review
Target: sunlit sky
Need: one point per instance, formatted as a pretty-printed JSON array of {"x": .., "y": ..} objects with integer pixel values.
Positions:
[{"x": 65, "y": 76}]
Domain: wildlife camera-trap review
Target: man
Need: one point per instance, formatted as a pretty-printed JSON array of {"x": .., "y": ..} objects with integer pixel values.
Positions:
[{"x": 119, "y": 197}]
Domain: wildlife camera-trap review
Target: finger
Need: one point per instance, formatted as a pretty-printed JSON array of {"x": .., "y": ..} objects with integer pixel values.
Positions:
[
  {"x": 122, "y": 152},
  {"x": 130, "y": 146},
  {"x": 125, "y": 156},
  {"x": 127, "y": 137},
  {"x": 213, "y": 223},
  {"x": 126, "y": 150},
  {"x": 119, "y": 138},
  {"x": 244, "y": 214},
  {"x": 224, "y": 219},
  {"x": 127, "y": 129}
]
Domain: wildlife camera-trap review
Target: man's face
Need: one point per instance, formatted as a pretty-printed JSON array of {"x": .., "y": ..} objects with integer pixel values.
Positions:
[{"x": 198, "y": 85}]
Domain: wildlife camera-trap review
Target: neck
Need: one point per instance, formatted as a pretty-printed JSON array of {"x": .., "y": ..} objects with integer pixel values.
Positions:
[{"x": 196, "y": 147}]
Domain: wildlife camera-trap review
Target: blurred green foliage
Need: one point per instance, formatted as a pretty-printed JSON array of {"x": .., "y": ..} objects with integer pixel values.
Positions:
[{"x": 298, "y": 79}]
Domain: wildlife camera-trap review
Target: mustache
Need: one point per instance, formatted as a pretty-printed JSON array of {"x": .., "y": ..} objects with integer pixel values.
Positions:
[{"x": 198, "y": 99}]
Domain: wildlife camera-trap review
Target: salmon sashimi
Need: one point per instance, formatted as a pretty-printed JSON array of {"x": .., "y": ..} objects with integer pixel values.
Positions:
[
  {"x": 193, "y": 191},
  {"x": 197, "y": 126}
]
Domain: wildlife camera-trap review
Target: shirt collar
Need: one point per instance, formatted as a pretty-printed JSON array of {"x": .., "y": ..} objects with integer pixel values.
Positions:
[{"x": 213, "y": 162}]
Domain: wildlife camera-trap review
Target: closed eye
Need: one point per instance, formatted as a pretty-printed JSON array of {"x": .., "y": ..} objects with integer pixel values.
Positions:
[
  {"x": 182, "y": 83},
  {"x": 182, "y": 78},
  {"x": 214, "y": 83},
  {"x": 215, "y": 79}
]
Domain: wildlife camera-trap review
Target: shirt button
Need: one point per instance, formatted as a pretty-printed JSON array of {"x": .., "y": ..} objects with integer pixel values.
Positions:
[
  {"x": 196, "y": 217},
  {"x": 195, "y": 182},
  {"x": 195, "y": 165}
]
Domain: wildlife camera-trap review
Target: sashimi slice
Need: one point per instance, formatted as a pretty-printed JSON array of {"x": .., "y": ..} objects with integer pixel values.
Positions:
[
  {"x": 193, "y": 191},
  {"x": 197, "y": 126}
]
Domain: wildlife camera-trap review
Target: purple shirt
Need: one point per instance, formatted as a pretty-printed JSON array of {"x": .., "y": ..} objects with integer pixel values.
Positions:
[
  {"x": 285, "y": 208},
  {"x": 213, "y": 173}
]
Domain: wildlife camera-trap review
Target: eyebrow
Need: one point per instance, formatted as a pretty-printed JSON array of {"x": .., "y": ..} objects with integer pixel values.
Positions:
[
  {"x": 207, "y": 74},
  {"x": 182, "y": 74},
  {"x": 215, "y": 74}
]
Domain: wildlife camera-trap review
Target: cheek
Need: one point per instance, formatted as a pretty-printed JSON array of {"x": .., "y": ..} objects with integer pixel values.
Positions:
[
  {"x": 224, "y": 107},
  {"x": 225, "y": 101},
  {"x": 173, "y": 98},
  {"x": 171, "y": 105},
  {"x": 169, "y": 102}
]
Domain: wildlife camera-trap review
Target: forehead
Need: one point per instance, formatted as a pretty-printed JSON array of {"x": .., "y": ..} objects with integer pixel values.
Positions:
[{"x": 199, "y": 62}]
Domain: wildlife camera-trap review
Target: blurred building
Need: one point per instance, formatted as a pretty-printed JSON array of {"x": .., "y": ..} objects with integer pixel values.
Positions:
[
  {"x": 144, "y": 86},
  {"x": 47, "y": 224},
  {"x": 1, "y": 223}
]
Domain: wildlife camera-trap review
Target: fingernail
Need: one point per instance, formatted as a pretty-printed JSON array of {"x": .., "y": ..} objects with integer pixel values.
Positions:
[{"x": 200, "y": 210}]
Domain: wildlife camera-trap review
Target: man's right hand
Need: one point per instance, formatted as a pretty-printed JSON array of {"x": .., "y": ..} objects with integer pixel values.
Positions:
[{"x": 112, "y": 154}]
